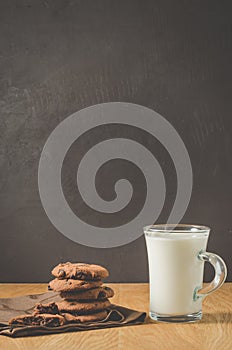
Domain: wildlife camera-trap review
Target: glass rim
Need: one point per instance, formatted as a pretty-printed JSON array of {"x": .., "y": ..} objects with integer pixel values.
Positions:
[{"x": 176, "y": 228}]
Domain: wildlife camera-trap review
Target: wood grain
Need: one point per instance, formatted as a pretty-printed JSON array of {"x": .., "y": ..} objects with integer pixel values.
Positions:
[{"x": 213, "y": 332}]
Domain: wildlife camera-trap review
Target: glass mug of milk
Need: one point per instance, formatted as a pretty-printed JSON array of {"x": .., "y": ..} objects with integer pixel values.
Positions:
[{"x": 176, "y": 256}]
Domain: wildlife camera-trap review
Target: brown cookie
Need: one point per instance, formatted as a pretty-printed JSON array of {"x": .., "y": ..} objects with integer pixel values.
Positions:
[
  {"x": 50, "y": 308},
  {"x": 80, "y": 271},
  {"x": 99, "y": 293},
  {"x": 80, "y": 308},
  {"x": 38, "y": 320},
  {"x": 98, "y": 316},
  {"x": 71, "y": 285}
]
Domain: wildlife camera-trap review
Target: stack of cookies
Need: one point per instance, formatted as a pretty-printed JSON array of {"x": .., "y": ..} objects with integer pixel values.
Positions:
[
  {"x": 85, "y": 299},
  {"x": 80, "y": 285}
]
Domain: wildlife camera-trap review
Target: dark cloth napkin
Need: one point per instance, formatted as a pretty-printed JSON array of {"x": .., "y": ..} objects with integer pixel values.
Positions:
[{"x": 12, "y": 307}]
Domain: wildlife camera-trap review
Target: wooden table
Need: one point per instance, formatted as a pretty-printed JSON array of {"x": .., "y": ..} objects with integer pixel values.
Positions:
[{"x": 214, "y": 331}]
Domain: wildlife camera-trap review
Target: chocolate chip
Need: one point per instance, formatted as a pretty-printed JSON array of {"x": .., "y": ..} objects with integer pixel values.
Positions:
[
  {"x": 101, "y": 295},
  {"x": 79, "y": 275}
]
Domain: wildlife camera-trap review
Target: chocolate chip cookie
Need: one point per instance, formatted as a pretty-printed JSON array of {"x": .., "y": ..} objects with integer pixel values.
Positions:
[
  {"x": 80, "y": 308},
  {"x": 99, "y": 293},
  {"x": 80, "y": 271},
  {"x": 98, "y": 316},
  {"x": 71, "y": 285},
  {"x": 50, "y": 308},
  {"x": 38, "y": 320}
]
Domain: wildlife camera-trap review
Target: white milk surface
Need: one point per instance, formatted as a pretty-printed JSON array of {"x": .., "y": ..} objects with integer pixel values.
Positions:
[{"x": 175, "y": 271}]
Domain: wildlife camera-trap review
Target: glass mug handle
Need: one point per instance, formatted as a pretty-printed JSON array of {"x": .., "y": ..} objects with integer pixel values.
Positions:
[{"x": 219, "y": 278}]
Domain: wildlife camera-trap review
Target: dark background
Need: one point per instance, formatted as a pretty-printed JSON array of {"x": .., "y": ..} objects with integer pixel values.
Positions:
[{"x": 58, "y": 57}]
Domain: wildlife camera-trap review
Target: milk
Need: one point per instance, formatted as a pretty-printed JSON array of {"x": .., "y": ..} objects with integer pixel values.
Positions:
[{"x": 175, "y": 271}]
